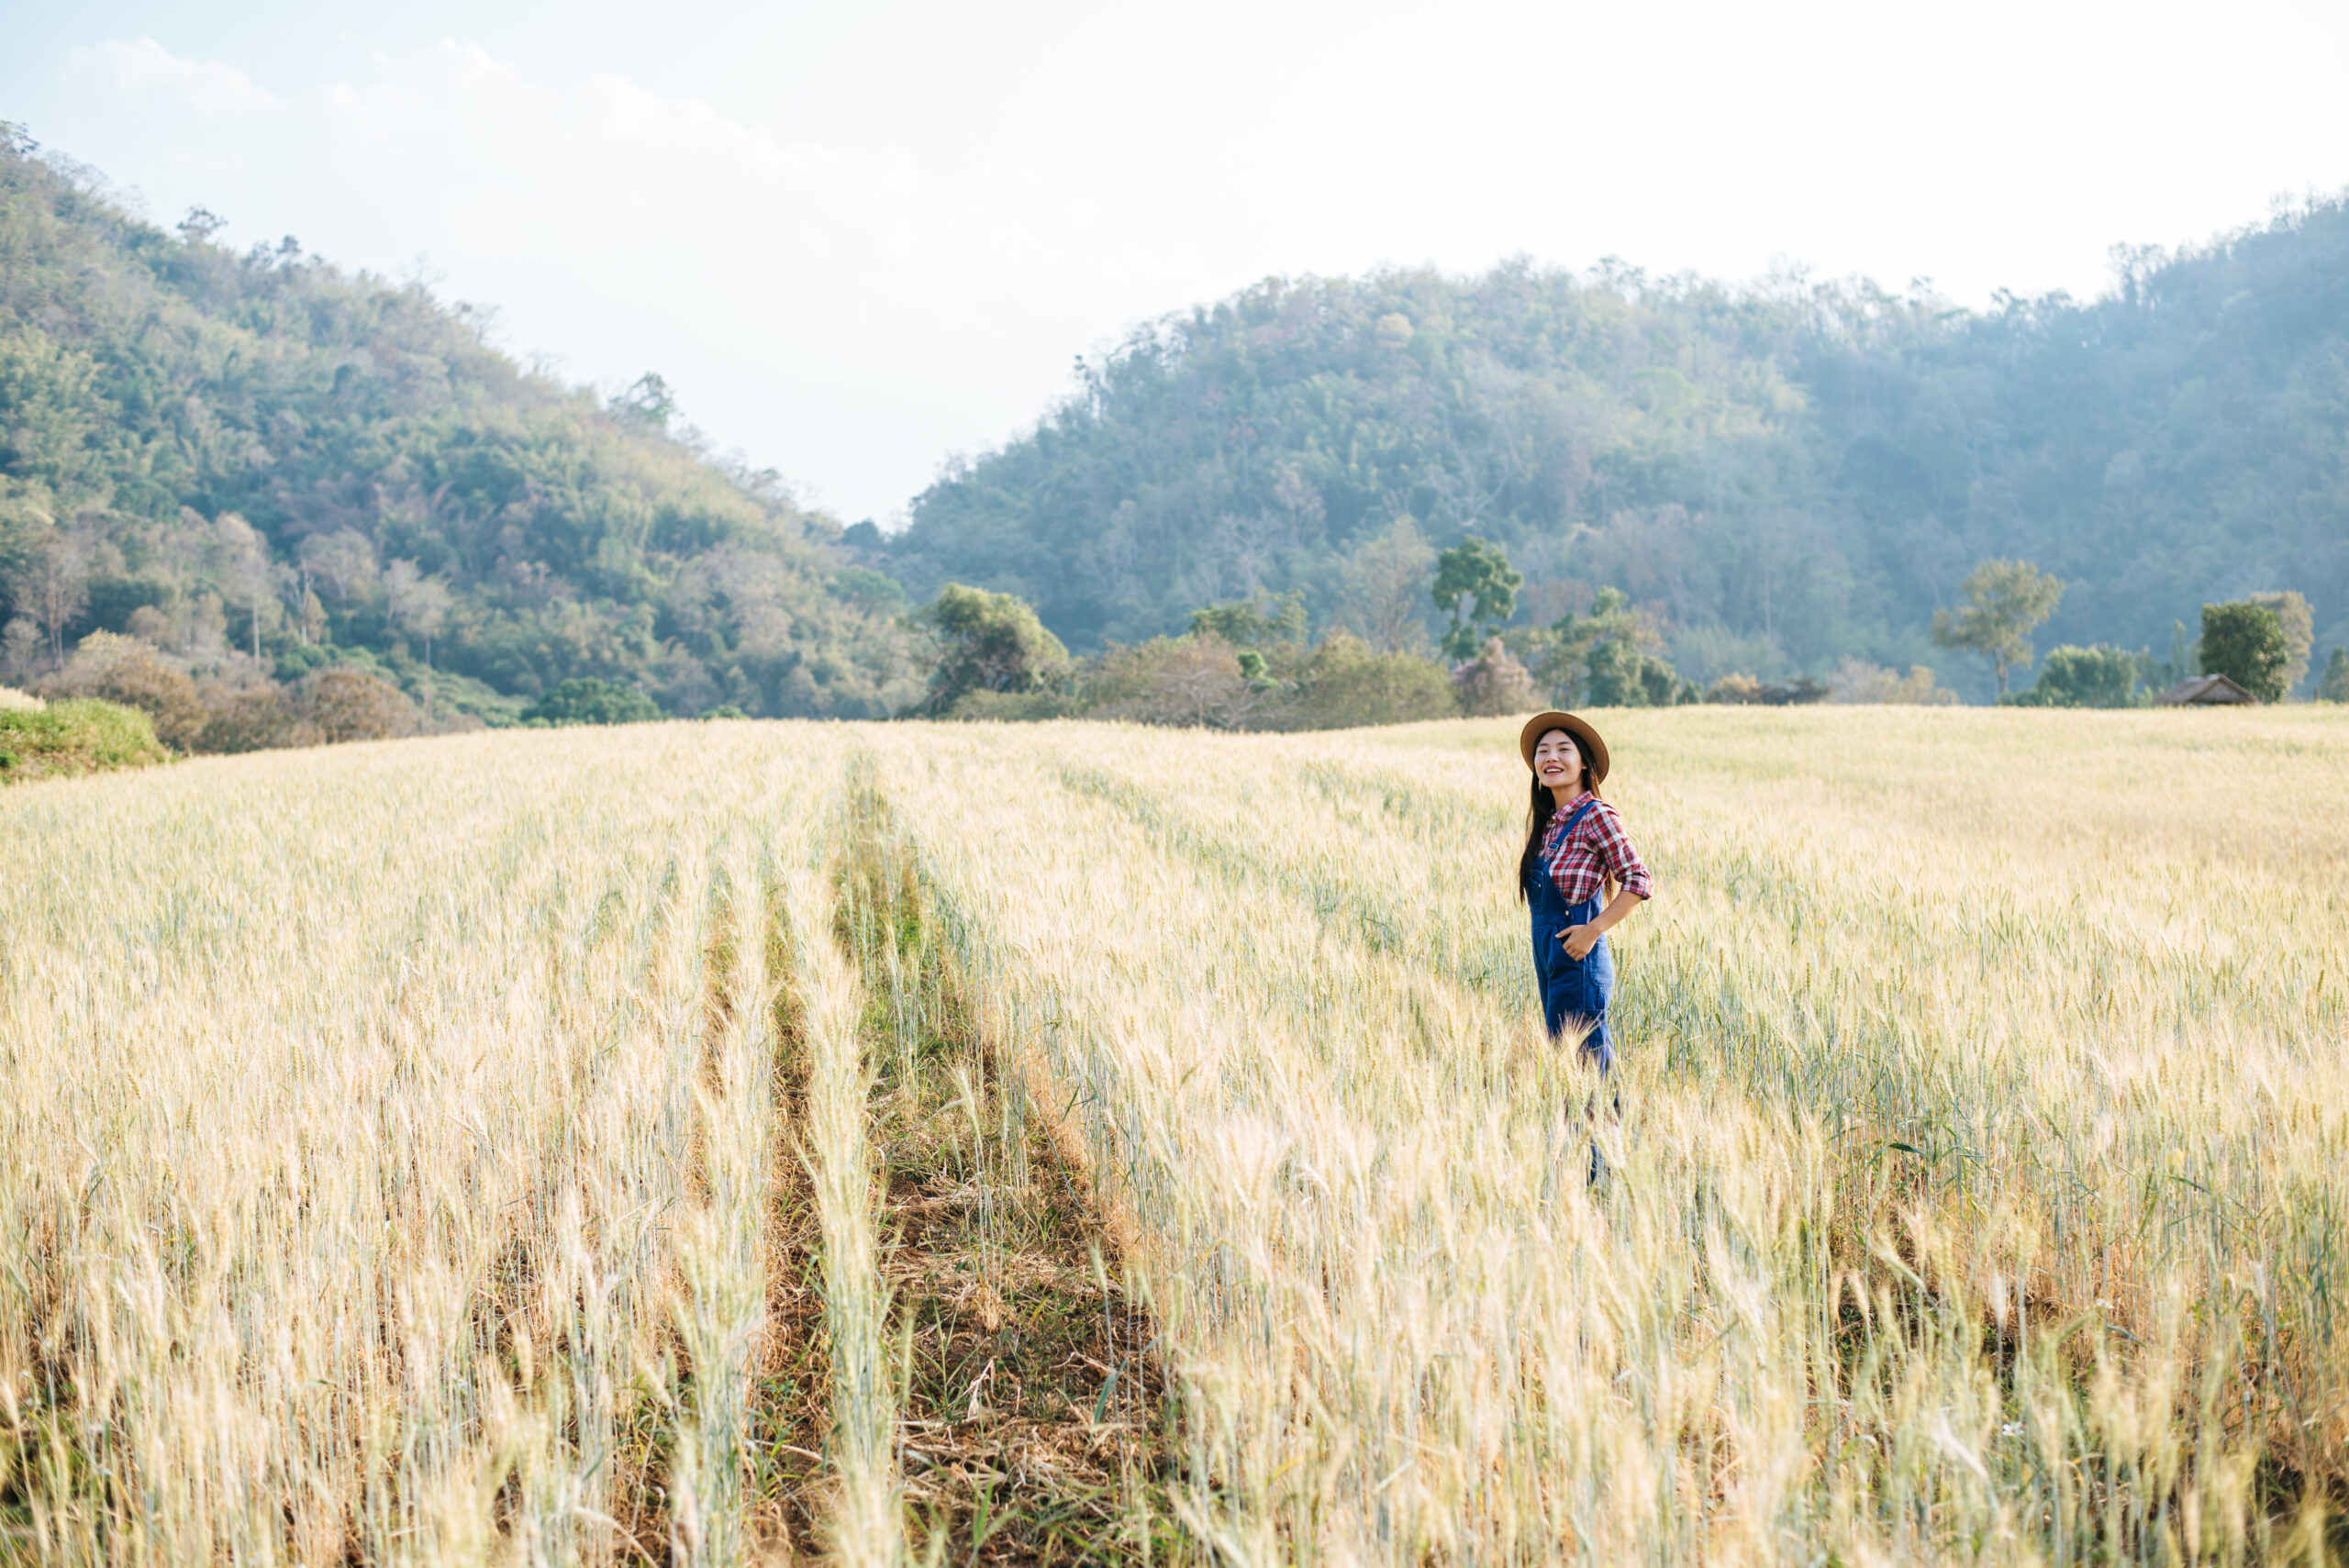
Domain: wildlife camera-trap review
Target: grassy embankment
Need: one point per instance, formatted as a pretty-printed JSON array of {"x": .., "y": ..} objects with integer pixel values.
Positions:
[
  {"x": 1111, "y": 1143},
  {"x": 44, "y": 739}
]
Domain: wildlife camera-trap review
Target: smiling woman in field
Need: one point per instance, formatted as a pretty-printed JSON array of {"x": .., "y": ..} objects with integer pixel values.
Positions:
[{"x": 1575, "y": 851}]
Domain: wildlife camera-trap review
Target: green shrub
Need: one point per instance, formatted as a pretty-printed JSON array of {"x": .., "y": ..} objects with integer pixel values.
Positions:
[
  {"x": 2245, "y": 642},
  {"x": 256, "y": 720},
  {"x": 78, "y": 735},
  {"x": 1196, "y": 681},
  {"x": 1494, "y": 683},
  {"x": 1347, "y": 686},
  {"x": 1743, "y": 690},
  {"x": 134, "y": 674},
  {"x": 341, "y": 704},
  {"x": 1620, "y": 675},
  {"x": 1856, "y": 681},
  {"x": 988, "y": 643},
  {"x": 2081, "y": 677},
  {"x": 589, "y": 701}
]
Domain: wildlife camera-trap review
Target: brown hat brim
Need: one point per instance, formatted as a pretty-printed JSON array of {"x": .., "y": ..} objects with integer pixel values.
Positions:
[{"x": 1594, "y": 749}]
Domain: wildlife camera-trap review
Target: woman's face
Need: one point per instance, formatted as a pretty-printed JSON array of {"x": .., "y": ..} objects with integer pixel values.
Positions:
[{"x": 1557, "y": 761}]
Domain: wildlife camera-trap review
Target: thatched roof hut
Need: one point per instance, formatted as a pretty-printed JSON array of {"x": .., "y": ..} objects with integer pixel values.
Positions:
[{"x": 2205, "y": 691}]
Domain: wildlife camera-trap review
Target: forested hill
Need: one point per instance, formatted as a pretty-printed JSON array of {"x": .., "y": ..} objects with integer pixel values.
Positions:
[
  {"x": 1788, "y": 473},
  {"x": 231, "y": 453}
]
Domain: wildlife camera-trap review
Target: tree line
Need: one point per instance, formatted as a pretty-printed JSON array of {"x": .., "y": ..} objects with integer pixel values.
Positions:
[
  {"x": 266, "y": 502},
  {"x": 1781, "y": 476},
  {"x": 1248, "y": 664},
  {"x": 2261, "y": 643}
]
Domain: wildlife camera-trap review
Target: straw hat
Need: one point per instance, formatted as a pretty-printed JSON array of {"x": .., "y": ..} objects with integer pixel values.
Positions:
[{"x": 1594, "y": 750}]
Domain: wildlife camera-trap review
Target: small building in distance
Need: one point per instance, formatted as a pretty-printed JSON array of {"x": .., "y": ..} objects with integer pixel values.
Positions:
[{"x": 2205, "y": 691}]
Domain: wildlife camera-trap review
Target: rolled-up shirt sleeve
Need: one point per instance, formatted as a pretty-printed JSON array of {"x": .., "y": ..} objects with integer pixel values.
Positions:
[{"x": 1619, "y": 854}]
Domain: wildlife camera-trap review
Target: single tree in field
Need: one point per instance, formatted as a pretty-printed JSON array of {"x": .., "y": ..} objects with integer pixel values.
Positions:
[
  {"x": 2245, "y": 642},
  {"x": 2007, "y": 600},
  {"x": 990, "y": 642},
  {"x": 1476, "y": 588}
]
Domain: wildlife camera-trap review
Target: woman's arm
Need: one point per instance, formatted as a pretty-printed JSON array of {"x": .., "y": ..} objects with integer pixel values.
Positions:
[
  {"x": 1623, "y": 865},
  {"x": 1580, "y": 940}
]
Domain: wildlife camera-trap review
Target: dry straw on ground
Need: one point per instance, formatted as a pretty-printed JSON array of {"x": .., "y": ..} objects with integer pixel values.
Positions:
[{"x": 387, "y": 1134}]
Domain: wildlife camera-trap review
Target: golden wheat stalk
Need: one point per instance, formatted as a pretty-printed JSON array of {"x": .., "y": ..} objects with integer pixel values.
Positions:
[
  {"x": 382, "y": 1133},
  {"x": 1280, "y": 983},
  {"x": 360, "y": 1138},
  {"x": 864, "y": 1525}
]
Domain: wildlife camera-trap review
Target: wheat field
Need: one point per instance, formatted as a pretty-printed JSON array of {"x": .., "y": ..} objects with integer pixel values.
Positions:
[{"x": 732, "y": 1142}]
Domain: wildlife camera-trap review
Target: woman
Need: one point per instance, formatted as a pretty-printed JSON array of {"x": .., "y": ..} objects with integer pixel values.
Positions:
[{"x": 1575, "y": 845}]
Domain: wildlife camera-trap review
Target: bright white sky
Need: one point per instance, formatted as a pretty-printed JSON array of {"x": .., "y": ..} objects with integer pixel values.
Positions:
[{"x": 856, "y": 237}]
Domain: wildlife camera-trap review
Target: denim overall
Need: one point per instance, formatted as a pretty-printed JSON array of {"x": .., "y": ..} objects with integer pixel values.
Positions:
[{"x": 1574, "y": 992}]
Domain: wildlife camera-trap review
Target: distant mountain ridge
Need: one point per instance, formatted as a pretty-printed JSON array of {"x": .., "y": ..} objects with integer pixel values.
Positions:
[
  {"x": 260, "y": 460},
  {"x": 1788, "y": 473},
  {"x": 404, "y": 488}
]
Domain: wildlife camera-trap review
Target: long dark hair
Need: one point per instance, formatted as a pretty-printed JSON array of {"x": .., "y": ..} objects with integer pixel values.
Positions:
[{"x": 1539, "y": 811}]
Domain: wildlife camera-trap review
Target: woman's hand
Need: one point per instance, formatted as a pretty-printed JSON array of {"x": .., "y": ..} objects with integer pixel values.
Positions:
[{"x": 1580, "y": 940}]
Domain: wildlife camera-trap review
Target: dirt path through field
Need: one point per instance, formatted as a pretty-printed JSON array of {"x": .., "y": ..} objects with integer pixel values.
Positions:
[
  {"x": 1033, "y": 1427},
  {"x": 790, "y": 1415}
]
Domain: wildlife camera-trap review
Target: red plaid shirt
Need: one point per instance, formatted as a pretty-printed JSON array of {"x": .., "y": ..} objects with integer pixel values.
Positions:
[{"x": 1597, "y": 848}]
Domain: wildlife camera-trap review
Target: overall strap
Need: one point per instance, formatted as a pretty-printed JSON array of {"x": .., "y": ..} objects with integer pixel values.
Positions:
[{"x": 1573, "y": 822}]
